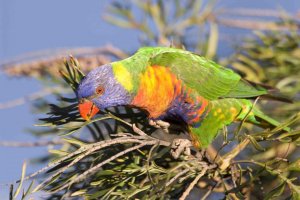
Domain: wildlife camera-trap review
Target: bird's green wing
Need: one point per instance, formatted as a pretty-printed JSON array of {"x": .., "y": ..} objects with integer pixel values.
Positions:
[
  {"x": 209, "y": 79},
  {"x": 223, "y": 112}
]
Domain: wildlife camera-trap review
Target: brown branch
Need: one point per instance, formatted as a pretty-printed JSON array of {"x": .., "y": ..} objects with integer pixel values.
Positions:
[
  {"x": 100, "y": 144},
  {"x": 143, "y": 139},
  {"x": 193, "y": 183},
  {"x": 177, "y": 176},
  {"x": 96, "y": 168},
  {"x": 254, "y": 12},
  {"x": 11, "y": 192},
  {"x": 88, "y": 152},
  {"x": 34, "y": 64},
  {"x": 209, "y": 191},
  {"x": 228, "y": 157},
  {"x": 113, "y": 51},
  {"x": 60, "y": 53},
  {"x": 31, "y": 144},
  {"x": 31, "y": 97},
  {"x": 254, "y": 24},
  {"x": 133, "y": 126}
]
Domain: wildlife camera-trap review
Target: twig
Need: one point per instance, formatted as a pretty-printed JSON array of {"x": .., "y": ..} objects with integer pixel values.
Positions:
[
  {"x": 102, "y": 144},
  {"x": 193, "y": 183},
  {"x": 105, "y": 143},
  {"x": 31, "y": 144},
  {"x": 133, "y": 126},
  {"x": 177, "y": 176},
  {"x": 253, "y": 12},
  {"x": 11, "y": 191},
  {"x": 91, "y": 148},
  {"x": 88, "y": 152},
  {"x": 245, "y": 118},
  {"x": 59, "y": 53},
  {"x": 272, "y": 171},
  {"x": 114, "y": 51},
  {"x": 31, "y": 97},
  {"x": 204, "y": 197},
  {"x": 96, "y": 168},
  {"x": 252, "y": 24},
  {"x": 227, "y": 158},
  {"x": 148, "y": 162},
  {"x": 138, "y": 131}
]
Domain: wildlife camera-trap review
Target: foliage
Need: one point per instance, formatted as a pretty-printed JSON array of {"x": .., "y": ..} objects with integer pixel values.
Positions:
[
  {"x": 133, "y": 164},
  {"x": 177, "y": 23},
  {"x": 272, "y": 58},
  {"x": 118, "y": 155}
]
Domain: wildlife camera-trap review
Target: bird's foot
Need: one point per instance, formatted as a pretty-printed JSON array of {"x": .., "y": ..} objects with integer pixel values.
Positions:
[
  {"x": 180, "y": 146},
  {"x": 160, "y": 124}
]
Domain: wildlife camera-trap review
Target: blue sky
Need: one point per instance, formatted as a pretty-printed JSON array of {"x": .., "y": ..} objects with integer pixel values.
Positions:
[{"x": 33, "y": 25}]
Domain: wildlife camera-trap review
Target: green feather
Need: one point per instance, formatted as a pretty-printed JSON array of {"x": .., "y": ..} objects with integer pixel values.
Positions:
[
  {"x": 220, "y": 115},
  {"x": 209, "y": 79},
  {"x": 225, "y": 89}
]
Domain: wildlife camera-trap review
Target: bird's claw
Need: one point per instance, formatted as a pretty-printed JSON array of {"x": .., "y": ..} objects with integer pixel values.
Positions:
[
  {"x": 180, "y": 146},
  {"x": 160, "y": 124}
]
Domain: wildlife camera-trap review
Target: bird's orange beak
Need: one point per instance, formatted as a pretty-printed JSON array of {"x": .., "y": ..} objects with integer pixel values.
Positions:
[{"x": 87, "y": 109}]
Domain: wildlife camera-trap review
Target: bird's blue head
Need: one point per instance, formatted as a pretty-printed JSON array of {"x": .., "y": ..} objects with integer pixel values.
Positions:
[{"x": 99, "y": 90}]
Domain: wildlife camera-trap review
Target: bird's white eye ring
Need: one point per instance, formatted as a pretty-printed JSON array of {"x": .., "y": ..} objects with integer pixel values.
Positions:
[{"x": 99, "y": 90}]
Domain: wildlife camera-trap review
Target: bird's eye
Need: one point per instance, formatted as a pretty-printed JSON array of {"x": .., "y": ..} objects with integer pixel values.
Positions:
[
  {"x": 81, "y": 100},
  {"x": 99, "y": 90}
]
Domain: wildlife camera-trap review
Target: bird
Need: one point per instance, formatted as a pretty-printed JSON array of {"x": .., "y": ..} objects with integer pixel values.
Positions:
[{"x": 168, "y": 82}]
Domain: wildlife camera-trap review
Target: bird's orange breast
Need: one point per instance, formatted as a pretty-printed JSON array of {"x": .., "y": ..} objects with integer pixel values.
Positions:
[{"x": 157, "y": 89}]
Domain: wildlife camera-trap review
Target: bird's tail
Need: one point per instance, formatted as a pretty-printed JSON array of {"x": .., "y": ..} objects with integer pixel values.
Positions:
[
  {"x": 225, "y": 111},
  {"x": 257, "y": 117}
]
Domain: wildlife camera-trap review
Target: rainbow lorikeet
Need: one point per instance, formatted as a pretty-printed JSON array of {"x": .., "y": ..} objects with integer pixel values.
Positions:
[{"x": 169, "y": 82}]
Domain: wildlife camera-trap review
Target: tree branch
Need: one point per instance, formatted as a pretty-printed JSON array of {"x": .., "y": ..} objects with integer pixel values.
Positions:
[
  {"x": 31, "y": 144},
  {"x": 193, "y": 183},
  {"x": 96, "y": 168},
  {"x": 31, "y": 97}
]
